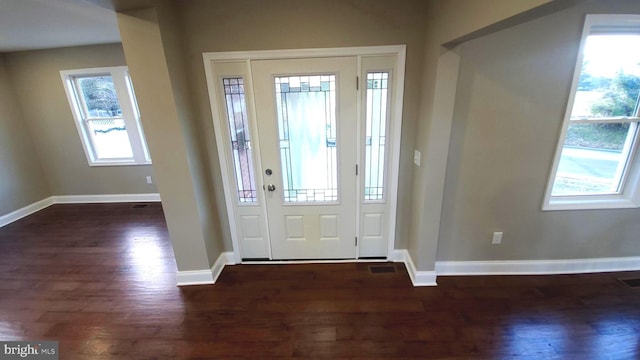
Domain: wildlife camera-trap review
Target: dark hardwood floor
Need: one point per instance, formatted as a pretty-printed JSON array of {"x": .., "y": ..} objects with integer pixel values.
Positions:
[{"x": 100, "y": 279}]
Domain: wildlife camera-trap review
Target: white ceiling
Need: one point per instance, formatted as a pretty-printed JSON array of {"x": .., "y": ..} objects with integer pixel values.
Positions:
[{"x": 42, "y": 24}]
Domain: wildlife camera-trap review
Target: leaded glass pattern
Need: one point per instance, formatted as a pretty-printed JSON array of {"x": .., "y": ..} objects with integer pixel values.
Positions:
[
  {"x": 376, "y": 120},
  {"x": 240, "y": 139},
  {"x": 307, "y": 130}
]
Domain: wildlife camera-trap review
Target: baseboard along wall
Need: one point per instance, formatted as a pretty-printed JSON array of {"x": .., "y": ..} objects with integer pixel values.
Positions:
[
  {"x": 515, "y": 267},
  {"x": 538, "y": 267},
  {"x": 418, "y": 277},
  {"x": 207, "y": 276},
  {"x": 75, "y": 199}
]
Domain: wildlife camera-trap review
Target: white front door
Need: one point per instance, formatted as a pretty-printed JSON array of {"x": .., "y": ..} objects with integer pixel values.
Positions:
[
  {"x": 308, "y": 144},
  {"x": 307, "y": 124}
]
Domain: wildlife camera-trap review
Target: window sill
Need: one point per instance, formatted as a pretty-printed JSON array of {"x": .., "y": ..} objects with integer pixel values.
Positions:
[
  {"x": 582, "y": 203},
  {"x": 118, "y": 163}
]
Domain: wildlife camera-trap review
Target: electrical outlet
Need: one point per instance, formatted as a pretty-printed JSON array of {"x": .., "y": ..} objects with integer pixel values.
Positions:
[
  {"x": 416, "y": 157},
  {"x": 149, "y": 180},
  {"x": 497, "y": 238}
]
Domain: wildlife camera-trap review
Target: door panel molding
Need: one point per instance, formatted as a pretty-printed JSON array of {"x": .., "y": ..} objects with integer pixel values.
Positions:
[
  {"x": 297, "y": 121},
  {"x": 244, "y": 58}
]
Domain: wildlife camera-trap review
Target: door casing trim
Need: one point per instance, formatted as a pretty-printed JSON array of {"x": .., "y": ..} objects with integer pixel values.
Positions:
[{"x": 396, "y": 119}]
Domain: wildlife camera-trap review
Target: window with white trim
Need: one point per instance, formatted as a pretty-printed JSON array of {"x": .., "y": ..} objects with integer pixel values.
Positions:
[
  {"x": 106, "y": 114},
  {"x": 596, "y": 164}
]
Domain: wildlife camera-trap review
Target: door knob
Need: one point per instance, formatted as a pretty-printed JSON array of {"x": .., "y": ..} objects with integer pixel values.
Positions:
[{"x": 271, "y": 187}]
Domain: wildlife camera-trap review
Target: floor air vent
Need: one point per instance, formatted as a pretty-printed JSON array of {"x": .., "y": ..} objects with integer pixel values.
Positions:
[
  {"x": 380, "y": 269},
  {"x": 634, "y": 283},
  {"x": 140, "y": 206}
]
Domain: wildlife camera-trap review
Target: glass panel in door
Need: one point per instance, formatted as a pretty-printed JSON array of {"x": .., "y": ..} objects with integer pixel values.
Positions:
[{"x": 306, "y": 110}]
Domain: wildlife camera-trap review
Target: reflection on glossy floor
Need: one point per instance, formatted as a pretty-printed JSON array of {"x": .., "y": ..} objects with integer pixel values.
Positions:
[{"x": 101, "y": 280}]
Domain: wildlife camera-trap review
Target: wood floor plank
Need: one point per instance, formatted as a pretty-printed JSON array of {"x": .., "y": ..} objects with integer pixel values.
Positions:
[{"x": 101, "y": 280}]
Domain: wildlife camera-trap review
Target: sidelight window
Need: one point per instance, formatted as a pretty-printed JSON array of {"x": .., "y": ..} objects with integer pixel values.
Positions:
[
  {"x": 375, "y": 140},
  {"x": 235, "y": 101}
]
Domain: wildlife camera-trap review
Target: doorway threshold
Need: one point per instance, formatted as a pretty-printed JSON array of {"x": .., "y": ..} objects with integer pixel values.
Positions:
[{"x": 311, "y": 261}]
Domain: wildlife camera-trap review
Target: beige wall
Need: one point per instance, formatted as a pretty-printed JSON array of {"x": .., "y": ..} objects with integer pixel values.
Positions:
[
  {"x": 21, "y": 178},
  {"x": 458, "y": 18},
  {"x": 449, "y": 20},
  {"x": 512, "y": 92},
  {"x": 155, "y": 63},
  {"x": 41, "y": 96},
  {"x": 226, "y": 25},
  {"x": 185, "y": 105}
]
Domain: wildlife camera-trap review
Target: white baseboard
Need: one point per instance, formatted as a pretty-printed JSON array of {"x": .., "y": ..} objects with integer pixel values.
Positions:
[
  {"x": 397, "y": 255},
  {"x": 516, "y": 267},
  {"x": 537, "y": 267},
  {"x": 25, "y": 211},
  {"x": 194, "y": 277},
  {"x": 418, "y": 278},
  {"x": 75, "y": 199},
  {"x": 208, "y": 276},
  {"x": 226, "y": 258},
  {"x": 106, "y": 198}
]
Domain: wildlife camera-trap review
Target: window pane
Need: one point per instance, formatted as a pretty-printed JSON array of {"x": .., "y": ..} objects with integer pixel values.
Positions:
[
  {"x": 240, "y": 139},
  {"x": 110, "y": 139},
  {"x": 134, "y": 103},
  {"x": 610, "y": 77},
  {"x": 376, "y": 119},
  {"x": 100, "y": 96},
  {"x": 593, "y": 159},
  {"x": 306, "y": 107}
]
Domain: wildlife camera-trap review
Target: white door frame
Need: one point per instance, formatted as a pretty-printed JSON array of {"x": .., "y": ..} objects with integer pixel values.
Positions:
[{"x": 396, "y": 120}]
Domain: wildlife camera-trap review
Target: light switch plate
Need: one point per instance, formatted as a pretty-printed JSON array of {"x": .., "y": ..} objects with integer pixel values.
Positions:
[{"x": 496, "y": 238}]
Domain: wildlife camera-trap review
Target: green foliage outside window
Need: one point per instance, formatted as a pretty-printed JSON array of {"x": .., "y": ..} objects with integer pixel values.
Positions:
[{"x": 619, "y": 99}]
